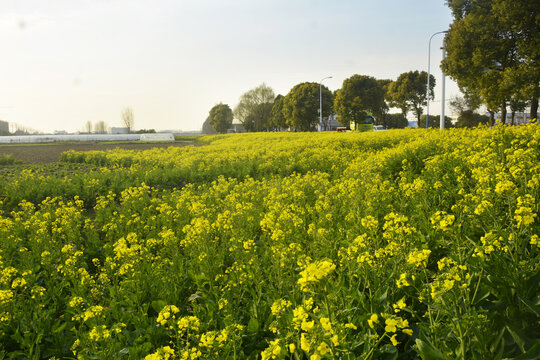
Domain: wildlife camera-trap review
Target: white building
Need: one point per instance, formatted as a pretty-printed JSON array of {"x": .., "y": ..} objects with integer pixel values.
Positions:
[
  {"x": 519, "y": 117},
  {"x": 329, "y": 123},
  {"x": 119, "y": 130},
  {"x": 236, "y": 127}
]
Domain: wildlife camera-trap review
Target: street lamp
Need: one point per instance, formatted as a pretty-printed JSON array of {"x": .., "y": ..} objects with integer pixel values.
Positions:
[
  {"x": 443, "y": 48},
  {"x": 320, "y": 99},
  {"x": 428, "y": 73}
]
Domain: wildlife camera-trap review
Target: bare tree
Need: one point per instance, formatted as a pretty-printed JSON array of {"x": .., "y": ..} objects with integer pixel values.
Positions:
[
  {"x": 128, "y": 118},
  {"x": 88, "y": 127},
  {"x": 100, "y": 127}
]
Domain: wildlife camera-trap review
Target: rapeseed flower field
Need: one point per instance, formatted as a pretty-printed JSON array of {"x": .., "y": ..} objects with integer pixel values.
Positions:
[{"x": 388, "y": 245}]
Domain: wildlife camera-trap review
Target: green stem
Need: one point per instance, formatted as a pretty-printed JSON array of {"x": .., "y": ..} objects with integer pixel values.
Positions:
[
  {"x": 374, "y": 346},
  {"x": 428, "y": 306},
  {"x": 461, "y": 341},
  {"x": 477, "y": 286}
]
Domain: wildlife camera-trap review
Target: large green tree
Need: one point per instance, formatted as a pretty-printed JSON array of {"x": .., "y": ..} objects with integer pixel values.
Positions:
[
  {"x": 301, "y": 106},
  {"x": 393, "y": 121},
  {"x": 521, "y": 19},
  {"x": 435, "y": 121},
  {"x": 254, "y": 106},
  {"x": 359, "y": 96},
  {"x": 469, "y": 118},
  {"x": 409, "y": 92},
  {"x": 493, "y": 50},
  {"x": 465, "y": 107},
  {"x": 467, "y": 102},
  {"x": 277, "y": 120},
  {"x": 259, "y": 118},
  {"x": 221, "y": 117},
  {"x": 384, "y": 83}
]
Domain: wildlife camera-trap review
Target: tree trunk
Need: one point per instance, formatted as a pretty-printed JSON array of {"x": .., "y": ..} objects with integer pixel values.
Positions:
[
  {"x": 491, "y": 118},
  {"x": 503, "y": 112},
  {"x": 513, "y": 117},
  {"x": 534, "y": 108}
]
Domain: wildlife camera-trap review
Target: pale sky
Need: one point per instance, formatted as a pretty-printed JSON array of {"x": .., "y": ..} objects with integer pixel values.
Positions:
[{"x": 66, "y": 62}]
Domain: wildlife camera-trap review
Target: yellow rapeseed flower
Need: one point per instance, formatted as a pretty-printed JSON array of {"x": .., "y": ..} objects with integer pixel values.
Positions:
[{"x": 373, "y": 320}]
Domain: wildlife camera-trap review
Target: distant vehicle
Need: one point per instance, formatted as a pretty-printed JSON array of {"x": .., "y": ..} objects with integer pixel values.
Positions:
[
  {"x": 378, "y": 128},
  {"x": 343, "y": 129}
]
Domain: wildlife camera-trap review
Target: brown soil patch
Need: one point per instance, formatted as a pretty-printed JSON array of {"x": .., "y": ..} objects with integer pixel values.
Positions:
[{"x": 48, "y": 153}]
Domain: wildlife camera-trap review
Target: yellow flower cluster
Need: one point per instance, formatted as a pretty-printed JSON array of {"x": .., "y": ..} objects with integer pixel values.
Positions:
[
  {"x": 5, "y": 296},
  {"x": 418, "y": 257},
  {"x": 99, "y": 333},
  {"x": 452, "y": 276},
  {"x": 442, "y": 221},
  {"x": 534, "y": 240},
  {"x": 524, "y": 214},
  {"x": 280, "y": 306},
  {"x": 188, "y": 323},
  {"x": 163, "y": 353},
  {"x": 167, "y": 313},
  {"x": 314, "y": 272},
  {"x": 273, "y": 351},
  {"x": 490, "y": 243}
]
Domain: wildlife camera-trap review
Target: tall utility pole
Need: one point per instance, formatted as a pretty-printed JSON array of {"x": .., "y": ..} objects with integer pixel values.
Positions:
[
  {"x": 320, "y": 100},
  {"x": 428, "y": 74},
  {"x": 443, "y": 80}
]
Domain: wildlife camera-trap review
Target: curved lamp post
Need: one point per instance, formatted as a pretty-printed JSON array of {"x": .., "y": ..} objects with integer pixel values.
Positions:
[
  {"x": 320, "y": 99},
  {"x": 428, "y": 73}
]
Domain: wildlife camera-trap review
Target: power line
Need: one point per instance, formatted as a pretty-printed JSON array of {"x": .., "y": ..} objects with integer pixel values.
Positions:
[{"x": 438, "y": 101}]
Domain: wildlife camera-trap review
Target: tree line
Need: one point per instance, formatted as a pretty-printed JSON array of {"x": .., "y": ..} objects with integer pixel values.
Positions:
[
  {"x": 101, "y": 127},
  {"x": 360, "y": 96},
  {"x": 493, "y": 48}
]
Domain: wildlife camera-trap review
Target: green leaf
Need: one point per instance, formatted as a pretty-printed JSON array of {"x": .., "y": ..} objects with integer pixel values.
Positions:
[
  {"x": 428, "y": 352},
  {"x": 482, "y": 294},
  {"x": 531, "y": 306},
  {"x": 532, "y": 354},
  {"x": 518, "y": 336},
  {"x": 253, "y": 325},
  {"x": 157, "y": 305},
  {"x": 124, "y": 351},
  {"x": 383, "y": 297},
  {"x": 498, "y": 346},
  {"x": 60, "y": 328}
]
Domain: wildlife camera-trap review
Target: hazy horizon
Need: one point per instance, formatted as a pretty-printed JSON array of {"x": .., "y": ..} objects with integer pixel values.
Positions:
[{"x": 67, "y": 62}]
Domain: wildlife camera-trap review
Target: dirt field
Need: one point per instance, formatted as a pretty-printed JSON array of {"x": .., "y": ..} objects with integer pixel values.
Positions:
[{"x": 48, "y": 153}]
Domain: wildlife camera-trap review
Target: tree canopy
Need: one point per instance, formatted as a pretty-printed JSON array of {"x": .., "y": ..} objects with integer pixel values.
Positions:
[
  {"x": 253, "y": 109},
  {"x": 409, "y": 92},
  {"x": 493, "y": 50},
  {"x": 393, "y": 121},
  {"x": 277, "y": 120},
  {"x": 301, "y": 105},
  {"x": 221, "y": 117},
  {"x": 467, "y": 102},
  {"x": 435, "y": 121},
  {"x": 359, "y": 96},
  {"x": 259, "y": 118},
  {"x": 469, "y": 118}
]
